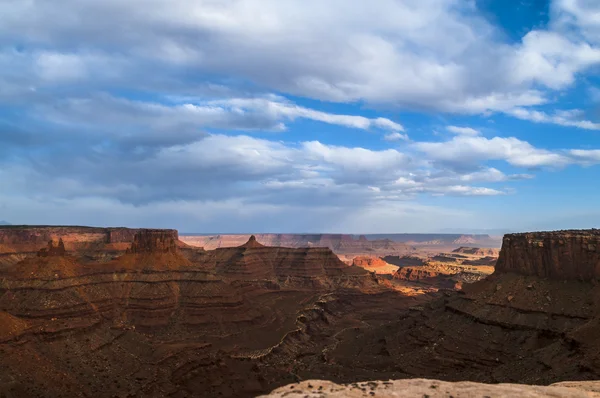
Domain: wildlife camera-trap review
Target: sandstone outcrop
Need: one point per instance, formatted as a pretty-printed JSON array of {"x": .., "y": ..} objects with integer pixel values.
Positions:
[
  {"x": 51, "y": 250},
  {"x": 432, "y": 388},
  {"x": 315, "y": 266},
  {"x": 154, "y": 241},
  {"x": 476, "y": 251},
  {"x": 415, "y": 274},
  {"x": 30, "y": 239},
  {"x": 556, "y": 255},
  {"x": 374, "y": 264}
]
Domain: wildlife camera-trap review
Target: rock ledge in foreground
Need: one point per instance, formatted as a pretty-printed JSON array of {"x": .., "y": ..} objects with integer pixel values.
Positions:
[{"x": 434, "y": 389}]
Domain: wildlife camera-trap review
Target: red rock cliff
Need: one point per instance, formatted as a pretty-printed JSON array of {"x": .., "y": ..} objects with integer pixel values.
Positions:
[
  {"x": 23, "y": 239},
  {"x": 155, "y": 241},
  {"x": 556, "y": 255}
]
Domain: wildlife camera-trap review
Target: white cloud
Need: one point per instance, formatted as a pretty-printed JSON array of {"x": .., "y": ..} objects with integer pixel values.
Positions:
[
  {"x": 395, "y": 137},
  {"x": 469, "y": 151},
  {"x": 564, "y": 118},
  {"x": 153, "y": 123},
  {"x": 357, "y": 159},
  {"x": 462, "y": 130},
  {"x": 279, "y": 108},
  {"x": 172, "y": 71},
  {"x": 577, "y": 15},
  {"x": 464, "y": 190},
  {"x": 551, "y": 59},
  {"x": 586, "y": 156},
  {"x": 431, "y": 54}
]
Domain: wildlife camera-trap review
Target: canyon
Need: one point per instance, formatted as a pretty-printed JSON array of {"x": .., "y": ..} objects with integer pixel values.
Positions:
[
  {"x": 120, "y": 312},
  {"x": 349, "y": 244}
]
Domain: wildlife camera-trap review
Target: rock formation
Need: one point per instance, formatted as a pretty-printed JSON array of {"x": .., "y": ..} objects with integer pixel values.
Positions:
[
  {"x": 374, "y": 264},
  {"x": 160, "y": 319},
  {"x": 53, "y": 251},
  {"x": 534, "y": 321},
  {"x": 166, "y": 320},
  {"x": 30, "y": 239},
  {"x": 154, "y": 241},
  {"x": 339, "y": 243},
  {"x": 476, "y": 251},
  {"x": 412, "y": 388},
  {"x": 556, "y": 255},
  {"x": 415, "y": 274}
]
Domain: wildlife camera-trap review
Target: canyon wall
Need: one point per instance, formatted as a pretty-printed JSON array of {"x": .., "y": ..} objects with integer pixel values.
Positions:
[
  {"x": 345, "y": 243},
  {"x": 29, "y": 239},
  {"x": 556, "y": 255},
  {"x": 154, "y": 240},
  {"x": 339, "y": 243}
]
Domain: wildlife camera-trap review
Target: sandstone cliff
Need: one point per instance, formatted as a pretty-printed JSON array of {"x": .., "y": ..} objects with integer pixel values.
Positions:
[
  {"x": 374, "y": 264},
  {"x": 154, "y": 241},
  {"x": 30, "y": 239},
  {"x": 556, "y": 255}
]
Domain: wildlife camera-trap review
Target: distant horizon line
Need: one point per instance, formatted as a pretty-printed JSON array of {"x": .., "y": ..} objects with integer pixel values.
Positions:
[{"x": 490, "y": 232}]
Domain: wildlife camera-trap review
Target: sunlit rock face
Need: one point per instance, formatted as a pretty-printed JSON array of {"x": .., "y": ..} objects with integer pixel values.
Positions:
[{"x": 557, "y": 255}]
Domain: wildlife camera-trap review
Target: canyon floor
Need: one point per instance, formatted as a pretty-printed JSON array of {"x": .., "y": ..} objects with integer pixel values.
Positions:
[{"x": 140, "y": 313}]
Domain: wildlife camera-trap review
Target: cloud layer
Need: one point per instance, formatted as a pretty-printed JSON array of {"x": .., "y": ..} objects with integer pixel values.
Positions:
[{"x": 179, "y": 104}]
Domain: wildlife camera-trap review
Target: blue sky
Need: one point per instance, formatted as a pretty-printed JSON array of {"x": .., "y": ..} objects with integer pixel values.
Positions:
[{"x": 301, "y": 115}]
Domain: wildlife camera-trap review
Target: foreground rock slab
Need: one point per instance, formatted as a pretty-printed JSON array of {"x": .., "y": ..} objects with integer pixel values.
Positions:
[{"x": 433, "y": 389}]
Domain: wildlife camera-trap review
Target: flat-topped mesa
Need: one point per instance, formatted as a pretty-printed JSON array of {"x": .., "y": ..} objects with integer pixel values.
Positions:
[
  {"x": 573, "y": 254},
  {"x": 154, "y": 241},
  {"x": 53, "y": 251}
]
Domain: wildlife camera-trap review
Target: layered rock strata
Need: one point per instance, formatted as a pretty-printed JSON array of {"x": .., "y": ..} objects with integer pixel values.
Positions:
[
  {"x": 534, "y": 321},
  {"x": 30, "y": 239},
  {"x": 556, "y": 255},
  {"x": 339, "y": 243},
  {"x": 159, "y": 320},
  {"x": 154, "y": 241}
]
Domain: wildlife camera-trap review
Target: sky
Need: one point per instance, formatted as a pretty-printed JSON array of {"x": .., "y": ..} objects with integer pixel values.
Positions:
[{"x": 342, "y": 116}]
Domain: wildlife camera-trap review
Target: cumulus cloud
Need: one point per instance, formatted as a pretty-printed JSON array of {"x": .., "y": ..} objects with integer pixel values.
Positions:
[
  {"x": 462, "y": 130},
  {"x": 118, "y": 105},
  {"x": 468, "y": 151},
  {"x": 571, "y": 118},
  {"x": 395, "y": 137},
  {"x": 398, "y": 53}
]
